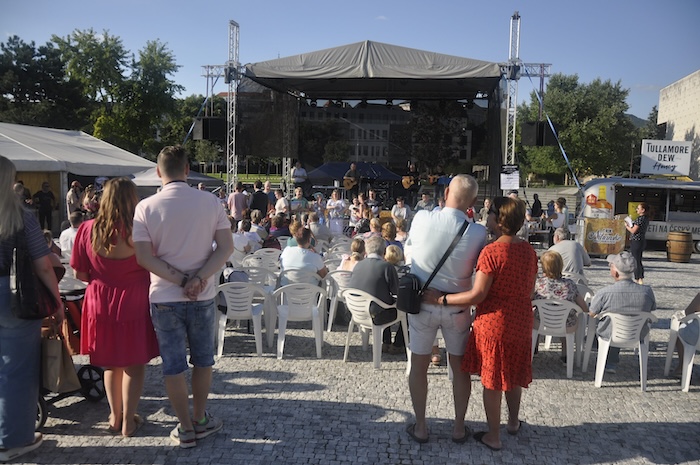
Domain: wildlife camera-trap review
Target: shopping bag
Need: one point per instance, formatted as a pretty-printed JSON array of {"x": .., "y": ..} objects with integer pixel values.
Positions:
[{"x": 58, "y": 372}]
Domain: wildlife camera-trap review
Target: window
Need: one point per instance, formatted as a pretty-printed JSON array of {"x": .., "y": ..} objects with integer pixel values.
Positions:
[{"x": 352, "y": 133}]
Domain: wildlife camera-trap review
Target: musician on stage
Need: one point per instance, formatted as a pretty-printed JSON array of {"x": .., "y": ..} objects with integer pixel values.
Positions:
[
  {"x": 411, "y": 184},
  {"x": 351, "y": 181}
]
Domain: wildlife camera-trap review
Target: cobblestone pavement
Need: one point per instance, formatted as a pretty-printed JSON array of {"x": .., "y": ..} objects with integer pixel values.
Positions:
[{"x": 305, "y": 410}]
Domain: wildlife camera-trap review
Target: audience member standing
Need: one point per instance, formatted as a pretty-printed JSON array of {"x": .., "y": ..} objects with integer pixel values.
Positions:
[
  {"x": 173, "y": 235},
  {"x": 237, "y": 202},
  {"x": 430, "y": 235},
  {"x": 499, "y": 347},
  {"x": 259, "y": 200},
  {"x": 73, "y": 200},
  {"x": 45, "y": 202},
  {"x": 20, "y": 340},
  {"x": 116, "y": 329}
]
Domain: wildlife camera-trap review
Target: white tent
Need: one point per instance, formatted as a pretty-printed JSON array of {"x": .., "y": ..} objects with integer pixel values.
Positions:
[
  {"x": 150, "y": 178},
  {"x": 34, "y": 149}
]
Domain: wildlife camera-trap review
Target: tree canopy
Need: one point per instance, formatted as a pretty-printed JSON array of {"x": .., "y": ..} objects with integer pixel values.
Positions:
[{"x": 591, "y": 123}]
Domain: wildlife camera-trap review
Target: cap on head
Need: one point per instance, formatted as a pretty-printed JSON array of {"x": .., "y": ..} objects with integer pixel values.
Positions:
[{"x": 624, "y": 262}]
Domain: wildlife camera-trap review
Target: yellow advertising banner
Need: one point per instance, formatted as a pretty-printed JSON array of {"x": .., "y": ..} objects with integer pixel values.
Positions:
[{"x": 604, "y": 236}]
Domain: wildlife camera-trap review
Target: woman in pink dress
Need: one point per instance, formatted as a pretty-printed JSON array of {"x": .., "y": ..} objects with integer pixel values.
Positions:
[{"x": 116, "y": 329}]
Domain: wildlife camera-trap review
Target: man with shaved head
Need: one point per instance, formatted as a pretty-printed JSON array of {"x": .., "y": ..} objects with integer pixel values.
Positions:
[{"x": 430, "y": 235}]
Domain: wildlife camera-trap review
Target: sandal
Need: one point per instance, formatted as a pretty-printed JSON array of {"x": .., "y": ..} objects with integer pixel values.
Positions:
[{"x": 138, "y": 423}]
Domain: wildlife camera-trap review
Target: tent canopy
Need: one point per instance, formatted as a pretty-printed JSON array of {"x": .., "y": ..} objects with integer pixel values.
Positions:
[
  {"x": 373, "y": 70},
  {"x": 149, "y": 178},
  {"x": 334, "y": 171},
  {"x": 56, "y": 150}
]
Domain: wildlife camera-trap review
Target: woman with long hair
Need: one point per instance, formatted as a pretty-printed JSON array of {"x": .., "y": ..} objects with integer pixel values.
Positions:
[
  {"x": 20, "y": 340},
  {"x": 116, "y": 326},
  {"x": 499, "y": 347}
]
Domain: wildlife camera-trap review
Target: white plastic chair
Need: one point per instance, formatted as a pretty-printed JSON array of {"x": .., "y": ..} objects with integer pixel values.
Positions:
[
  {"x": 300, "y": 302},
  {"x": 575, "y": 277},
  {"x": 340, "y": 281},
  {"x": 268, "y": 281},
  {"x": 358, "y": 303},
  {"x": 583, "y": 318},
  {"x": 321, "y": 247},
  {"x": 626, "y": 332},
  {"x": 332, "y": 264},
  {"x": 688, "y": 349},
  {"x": 283, "y": 241},
  {"x": 239, "y": 306},
  {"x": 298, "y": 276},
  {"x": 553, "y": 314},
  {"x": 335, "y": 255},
  {"x": 262, "y": 261},
  {"x": 342, "y": 247},
  {"x": 340, "y": 239}
]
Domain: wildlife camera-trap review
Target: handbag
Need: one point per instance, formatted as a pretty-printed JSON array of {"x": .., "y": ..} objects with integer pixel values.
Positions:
[
  {"x": 57, "y": 369},
  {"x": 410, "y": 291},
  {"x": 31, "y": 299}
]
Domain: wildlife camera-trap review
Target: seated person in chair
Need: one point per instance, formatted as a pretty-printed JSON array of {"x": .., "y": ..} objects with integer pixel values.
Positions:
[
  {"x": 377, "y": 277},
  {"x": 625, "y": 296}
]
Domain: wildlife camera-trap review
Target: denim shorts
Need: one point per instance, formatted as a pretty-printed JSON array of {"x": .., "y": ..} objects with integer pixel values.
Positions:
[{"x": 180, "y": 323}]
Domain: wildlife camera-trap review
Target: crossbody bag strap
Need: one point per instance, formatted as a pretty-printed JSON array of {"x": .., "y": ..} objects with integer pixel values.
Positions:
[{"x": 446, "y": 254}]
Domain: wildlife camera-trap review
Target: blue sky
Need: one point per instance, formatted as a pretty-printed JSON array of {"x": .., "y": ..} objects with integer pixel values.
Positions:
[{"x": 645, "y": 44}]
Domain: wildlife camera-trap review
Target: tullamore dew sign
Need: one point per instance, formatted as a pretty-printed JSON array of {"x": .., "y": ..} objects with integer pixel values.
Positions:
[{"x": 665, "y": 157}]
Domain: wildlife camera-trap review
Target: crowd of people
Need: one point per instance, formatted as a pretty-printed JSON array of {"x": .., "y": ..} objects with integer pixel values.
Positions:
[{"x": 150, "y": 269}]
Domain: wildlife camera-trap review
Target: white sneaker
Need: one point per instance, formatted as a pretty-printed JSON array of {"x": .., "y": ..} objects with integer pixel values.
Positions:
[
  {"x": 10, "y": 454},
  {"x": 211, "y": 426}
]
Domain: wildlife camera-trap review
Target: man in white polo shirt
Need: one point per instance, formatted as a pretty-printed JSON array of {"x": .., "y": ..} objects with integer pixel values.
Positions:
[
  {"x": 430, "y": 235},
  {"x": 173, "y": 235}
]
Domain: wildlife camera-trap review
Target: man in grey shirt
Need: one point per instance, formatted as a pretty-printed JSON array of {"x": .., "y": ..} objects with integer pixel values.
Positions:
[
  {"x": 625, "y": 296},
  {"x": 574, "y": 255}
]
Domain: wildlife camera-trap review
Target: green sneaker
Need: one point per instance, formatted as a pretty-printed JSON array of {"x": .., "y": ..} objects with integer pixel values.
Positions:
[
  {"x": 185, "y": 439},
  {"x": 210, "y": 426}
]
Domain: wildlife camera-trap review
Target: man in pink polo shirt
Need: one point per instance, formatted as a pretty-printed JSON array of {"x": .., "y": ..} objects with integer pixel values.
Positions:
[{"x": 173, "y": 234}]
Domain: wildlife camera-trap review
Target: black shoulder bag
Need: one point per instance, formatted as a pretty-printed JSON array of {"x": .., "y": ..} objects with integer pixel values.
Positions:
[{"x": 410, "y": 291}]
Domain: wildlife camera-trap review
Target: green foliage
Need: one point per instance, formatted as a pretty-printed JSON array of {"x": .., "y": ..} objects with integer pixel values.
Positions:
[
  {"x": 336, "y": 150},
  {"x": 34, "y": 89},
  {"x": 592, "y": 127},
  {"x": 206, "y": 151},
  {"x": 322, "y": 141}
]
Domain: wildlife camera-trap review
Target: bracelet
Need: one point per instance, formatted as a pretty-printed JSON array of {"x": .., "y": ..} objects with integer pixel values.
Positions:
[
  {"x": 198, "y": 277},
  {"x": 185, "y": 278},
  {"x": 444, "y": 300}
]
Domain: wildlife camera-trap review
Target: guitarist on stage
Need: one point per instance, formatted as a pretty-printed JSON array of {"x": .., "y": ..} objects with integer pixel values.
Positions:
[
  {"x": 351, "y": 181},
  {"x": 411, "y": 184}
]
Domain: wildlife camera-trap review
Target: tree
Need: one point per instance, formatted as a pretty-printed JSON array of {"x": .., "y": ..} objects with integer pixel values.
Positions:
[
  {"x": 652, "y": 130},
  {"x": 336, "y": 150},
  {"x": 591, "y": 124},
  {"x": 34, "y": 88}
]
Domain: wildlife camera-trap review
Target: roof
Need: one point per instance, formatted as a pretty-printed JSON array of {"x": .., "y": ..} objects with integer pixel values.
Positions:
[
  {"x": 335, "y": 170},
  {"x": 371, "y": 70},
  {"x": 645, "y": 182},
  {"x": 149, "y": 177},
  {"x": 45, "y": 149}
]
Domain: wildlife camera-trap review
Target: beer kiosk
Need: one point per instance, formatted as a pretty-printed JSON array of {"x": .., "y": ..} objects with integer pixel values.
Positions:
[{"x": 602, "y": 233}]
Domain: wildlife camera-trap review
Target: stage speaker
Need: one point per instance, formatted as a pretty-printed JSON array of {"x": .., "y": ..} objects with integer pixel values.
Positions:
[
  {"x": 528, "y": 134},
  {"x": 209, "y": 129}
]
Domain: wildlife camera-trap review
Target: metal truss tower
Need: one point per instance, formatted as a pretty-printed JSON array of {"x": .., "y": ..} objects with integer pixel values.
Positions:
[
  {"x": 513, "y": 70},
  {"x": 233, "y": 79}
]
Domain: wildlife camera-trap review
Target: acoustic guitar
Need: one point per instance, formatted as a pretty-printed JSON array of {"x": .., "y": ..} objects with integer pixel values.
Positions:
[
  {"x": 408, "y": 181},
  {"x": 433, "y": 179},
  {"x": 349, "y": 184}
]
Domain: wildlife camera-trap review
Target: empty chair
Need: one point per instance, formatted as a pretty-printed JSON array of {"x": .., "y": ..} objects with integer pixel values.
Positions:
[
  {"x": 553, "y": 314},
  {"x": 341, "y": 281},
  {"x": 335, "y": 255},
  {"x": 340, "y": 239},
  {"x": 321, "y": 247},
  {"x": 268, "y": 281},
  {"x": 626, "y": 330},
  {"x": 583, "y": 319},
  {"x": 239, "y": 306},
  {"x": 262, "y": 261},
  {"x": 300, "y": 302},
  {"x": 358, "y": 303},
  {"x": 343, "y": 247},
  {"x": 575, "y": 277},
  {"x": 689, "y": 348},
  {"x": 269, "y": 253}
]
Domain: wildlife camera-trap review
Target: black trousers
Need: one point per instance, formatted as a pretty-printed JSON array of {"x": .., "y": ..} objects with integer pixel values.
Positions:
[
  {"x": 636, "y": 249},
  {"x": 45, "y": 217}
]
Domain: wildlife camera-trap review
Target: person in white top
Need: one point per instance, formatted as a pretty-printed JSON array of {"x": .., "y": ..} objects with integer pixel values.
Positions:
[
  {"x": 67, "y": 237},
  {"x": 173, "y": 234}
]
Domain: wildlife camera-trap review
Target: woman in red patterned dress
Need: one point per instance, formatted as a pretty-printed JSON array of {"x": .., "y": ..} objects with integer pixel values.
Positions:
[
  {"x": 116, "y": 326},
  {"x": 499, "y": 347}
]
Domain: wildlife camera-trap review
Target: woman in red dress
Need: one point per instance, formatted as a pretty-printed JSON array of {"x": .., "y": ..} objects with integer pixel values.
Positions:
[
  {"x": 116, "y": 329},
  {"x": 499, "y": 347}
]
